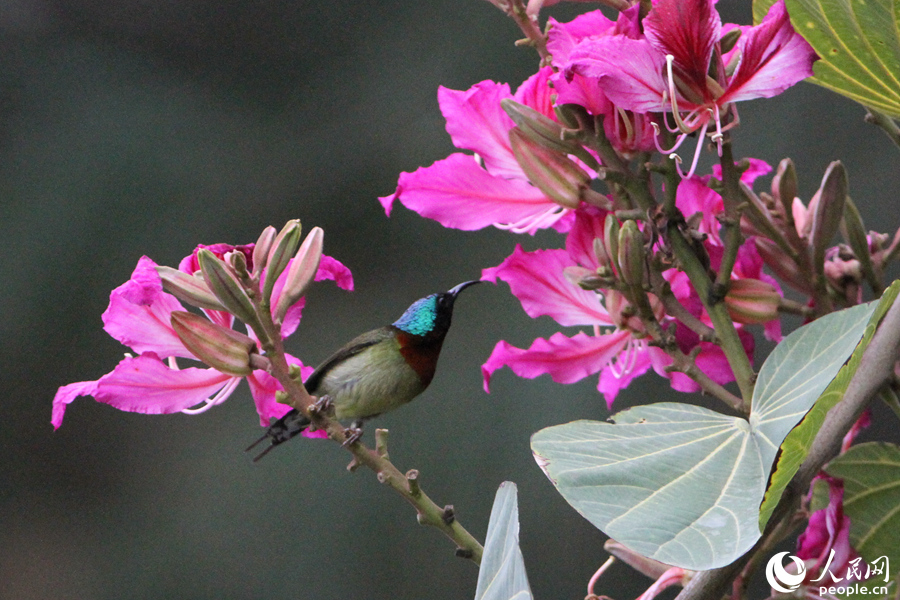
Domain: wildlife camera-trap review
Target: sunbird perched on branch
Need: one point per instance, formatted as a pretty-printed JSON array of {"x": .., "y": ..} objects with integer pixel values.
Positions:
[{"x": 379, "y": 370}]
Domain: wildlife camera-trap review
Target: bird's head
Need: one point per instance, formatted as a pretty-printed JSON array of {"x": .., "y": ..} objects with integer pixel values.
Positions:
[{"x": 431, "y": 314}]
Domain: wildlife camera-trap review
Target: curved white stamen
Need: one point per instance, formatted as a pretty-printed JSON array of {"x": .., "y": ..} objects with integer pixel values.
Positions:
[
  {"x": 717, "y": 136},
  {"x": 700, "y": 141},
  {"x": 626, "y": 361},
  {"x": 682, "y": 126},
  {"x": 173, "y": 363},
  {"x": 530, "y": 223},
  {"x": 675, "y": 146},
  {"x": 219, "y": 397}
]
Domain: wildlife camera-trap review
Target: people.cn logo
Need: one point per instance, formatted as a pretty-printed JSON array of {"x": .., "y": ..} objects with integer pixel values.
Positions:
[{"x": 781, "y": 580}]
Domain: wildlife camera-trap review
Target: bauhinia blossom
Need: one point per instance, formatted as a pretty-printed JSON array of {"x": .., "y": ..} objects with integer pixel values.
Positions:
[
  {"x": 472, "y": 192},
  {"x": 680, "y": 67},
  {"x": 618, "y": 345},
  {"x": 139, "y": 315}
]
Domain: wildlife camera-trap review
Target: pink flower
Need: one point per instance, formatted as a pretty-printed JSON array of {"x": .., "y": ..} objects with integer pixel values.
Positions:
[
  {"x": 472, "y": 192},
  {"x": 825, "y": 545},
  {"x": 680, "y": 67},
  {"x": 139, "y": 316},
  {"x": 618, "y": 349},
  {"x": 628, "y": 132}
]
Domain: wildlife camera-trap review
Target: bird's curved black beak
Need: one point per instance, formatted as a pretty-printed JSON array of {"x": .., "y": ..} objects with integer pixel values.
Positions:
[{"x": 454, "y": 291}]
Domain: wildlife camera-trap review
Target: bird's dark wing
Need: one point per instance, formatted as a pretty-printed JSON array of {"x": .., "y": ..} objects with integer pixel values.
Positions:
[{"x": 355, "y": 346}]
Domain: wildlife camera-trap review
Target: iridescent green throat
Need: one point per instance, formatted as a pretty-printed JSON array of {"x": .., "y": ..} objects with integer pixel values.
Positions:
[{"x": 419, "y": 318}]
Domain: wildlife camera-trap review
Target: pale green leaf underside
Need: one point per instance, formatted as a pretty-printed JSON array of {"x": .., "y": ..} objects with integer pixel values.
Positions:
[
  {"x": 682, "y": 484},
  {"x": 858, "y": 42},
  {"x": 798, "y": 442},
  {"x": 502, "y": 573},
  {"x": 871, "y": 474}
]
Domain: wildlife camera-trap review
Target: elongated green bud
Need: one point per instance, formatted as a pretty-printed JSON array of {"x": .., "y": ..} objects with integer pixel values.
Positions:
[
  {"x": 262, "y": 248},
  {"x": 829, "y": 210},
  {"x": 784, "y": 188},
  {"x": 226, "y": 287},
  {"x": 301, "y": 272},
  {"x": 283, "y": 249},
  {"x": 188, "y": 288},
  {"x": 611, "y": 240},
  {"x": 537, "y": 127},
  {"x": 603, "y": 260},
  {"x": 631, "y": 254},
  {"x": 552, "y": 172},
  {"x": 221, "y": 348}
]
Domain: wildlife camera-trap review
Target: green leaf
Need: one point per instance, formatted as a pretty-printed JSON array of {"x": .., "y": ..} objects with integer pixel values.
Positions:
[
  {"x": 760, "y": 8},
  {"x": 502, "y": 573},
  {"x": 871, "y": 474},
  {"x": 858, "y": 42},
  {"x": 682, "y": 484},
  {"x": 797, "y": 444}
]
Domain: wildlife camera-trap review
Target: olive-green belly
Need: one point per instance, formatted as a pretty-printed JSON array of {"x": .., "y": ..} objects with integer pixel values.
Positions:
[{"x": 374, "y": 381}]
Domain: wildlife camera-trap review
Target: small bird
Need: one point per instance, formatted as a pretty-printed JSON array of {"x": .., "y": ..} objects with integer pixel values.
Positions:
[{"x": 379, "y": 370}]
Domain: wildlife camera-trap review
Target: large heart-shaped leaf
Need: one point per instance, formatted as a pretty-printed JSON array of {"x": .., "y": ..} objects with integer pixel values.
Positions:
[
  {"x": 502, "y": 573},
  {"x": 871, "y": 474},
  {"x": 682, "y": 484},
  {"x": 858, "y": 43}
]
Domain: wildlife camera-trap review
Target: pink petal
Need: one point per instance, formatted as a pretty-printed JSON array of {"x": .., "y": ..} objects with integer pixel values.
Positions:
[
  {"x": 139, "y": 315},
  {"x": 145, "y": 384},
  {"x": 535, "y": 92},
  {"x": 64, "y": 397},
  {"x": 537, "y": 280},
  {"x": 773, "y": 58},
  {"x": 615, "y": 378},
  {"x": 757, "y": 169},
  {"x": 334, "y": 270},
  {"x": 630, "y": 71},
  {"x": 477, "y": 122},
  {"x": 329, "y": 269},
  {"x": 688, "y": 30},
  {"x": 695, "y": 196},
  {"x": 262, "y": 388},
  {"x": 566, "y": 359},
  {"x": 459, "y": 194},
  {"x": 589, "y": 222}
]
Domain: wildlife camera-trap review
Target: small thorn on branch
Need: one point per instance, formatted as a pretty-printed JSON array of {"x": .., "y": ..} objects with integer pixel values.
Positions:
[
  {"x": 412, "y": 480},
  {"x": 449, "y": 515}
]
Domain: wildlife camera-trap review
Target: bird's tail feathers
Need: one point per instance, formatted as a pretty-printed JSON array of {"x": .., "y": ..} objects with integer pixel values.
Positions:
[{"x": 280, "y": 431}]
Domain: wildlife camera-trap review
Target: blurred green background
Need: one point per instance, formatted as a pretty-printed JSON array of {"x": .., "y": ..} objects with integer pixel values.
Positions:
[{"x": 133, "y": 127}]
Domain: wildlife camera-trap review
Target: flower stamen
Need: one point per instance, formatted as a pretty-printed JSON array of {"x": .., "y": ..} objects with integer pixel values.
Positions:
[{"x": 219, "y": 397}]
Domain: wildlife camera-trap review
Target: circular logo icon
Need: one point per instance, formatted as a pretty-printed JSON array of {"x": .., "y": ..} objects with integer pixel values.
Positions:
[{"x": 781, "y": 580}]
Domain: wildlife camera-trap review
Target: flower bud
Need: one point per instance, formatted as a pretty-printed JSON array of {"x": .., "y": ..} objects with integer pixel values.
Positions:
[
  {"x": 603, "y": 260},
  {"x": 537, "y": 127},
  {"x": 262, "y": 248},
  {"x": 854, "y": 232},
  {"x": 221, "y": 348},
  {"x": 632, "y": 257},
  {"x": 550, "y": 171},
  {"x": 283, "y": 249},
  {"x": 585, "y": 278},
  {"x": 829, "y": 210},
  {"x": 784, "y": 185},
  {"x": 226, "y": 287},
  {"x": 752, "y": 301},
  {"x": 188, "y": 288},
  {"x": 786, "y": 269},
  {"x": 611, "y": 240},
  {"x": 301, "y": 272}
]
